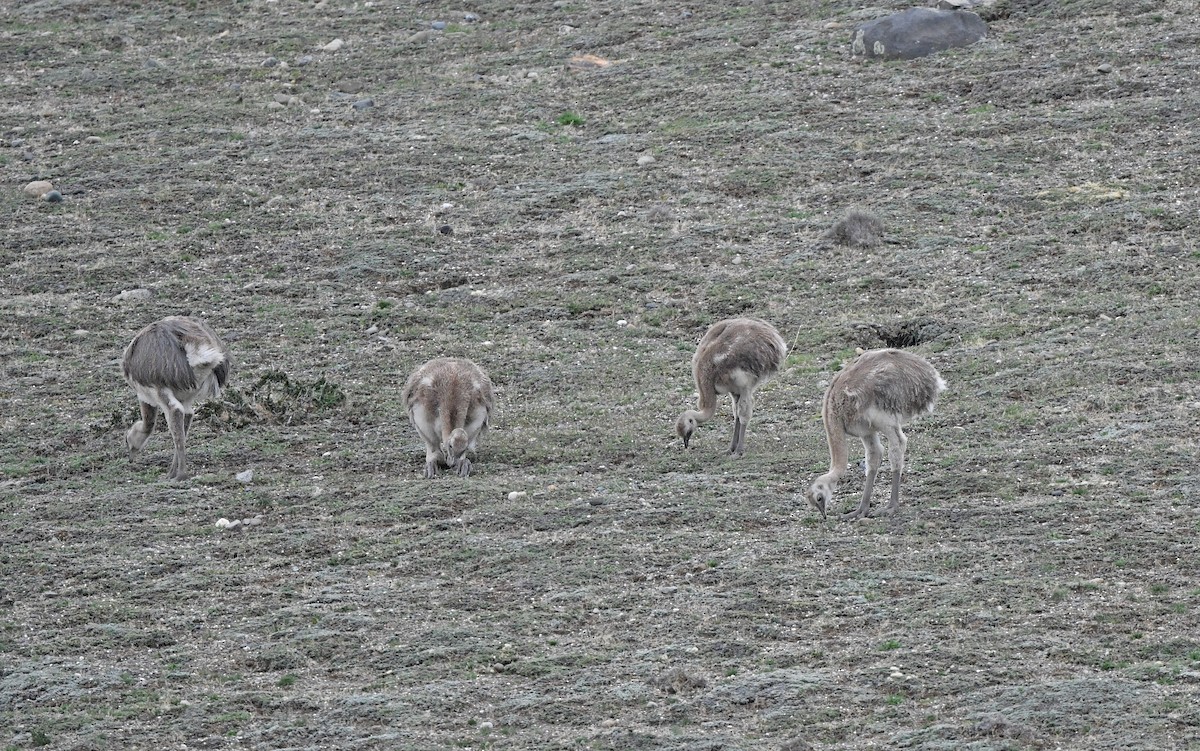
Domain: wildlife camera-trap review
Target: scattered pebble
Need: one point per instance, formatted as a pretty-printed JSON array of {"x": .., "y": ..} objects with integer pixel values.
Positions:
[
  {"x": 595, "y": 501},
  {"x": 93, "y": 139},
  {"x": 52, "y": 196},
  {"x": 438, "y": 25},
  {"x": 335, "y": 45},
  {"x": 1104, "y": 68},
  {"x": 372, "y": 330},
  {"x": 270, "y": 62},
  {"x": 245, "y": 477},
  {"x": 38, "y": 188},
  {"x": 517, "y": 495},
  {"x": 470, "y": 18},
  {"x": 141, "y": 293},
  {"x": 446, "y": 229},
  {"x": 622, "y": 322},
  {"x": 363, "y": 104},
  {"x": 253, "y": 521},
  {"x": 224, "y": 523},
  {"x": 303, "y": 60},
  {"x": 645, "y": 160}
]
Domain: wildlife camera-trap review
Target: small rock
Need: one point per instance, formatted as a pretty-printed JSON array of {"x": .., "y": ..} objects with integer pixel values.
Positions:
[
  {"x": 245, "y": 477},
  {"x": 253, "y": 521},
  {"x": 224, "y": 523},
  {"x": 1104, "y": 68},
  {"x": 371, "y": 330},
  {"x": 38, "y": 188},
  {"x": 517, "y": 495},
  {"x": 81, "y": 333},
  {"x": 303, "y": 60},
  {"x": 276, "y": 106},
  {"x": 438, "y": 25},
  {"x": 141, "y": 293},
  {"x": 446, "y": 229},
  {"x": 470, "y": 18},
  {"x": 52, "y": 196},
  {"x": 350, "y": 86},
  {"x": 364, "y": 104},
  {"x": 270, "y": 62},
  {"x": 645, "y": 160},
  {"x": 335, "y": 45},
  {"x": 595, "y": 501},
  {"x": 93, "y": 139}
]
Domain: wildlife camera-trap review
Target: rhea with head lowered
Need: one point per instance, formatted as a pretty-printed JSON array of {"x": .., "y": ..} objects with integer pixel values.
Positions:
[
  {"x": 873, "y": 396},
  {"x": 172, "y": 364},
  {"x": 449, "y": 400},
  {"x": 734, "y": 357}
]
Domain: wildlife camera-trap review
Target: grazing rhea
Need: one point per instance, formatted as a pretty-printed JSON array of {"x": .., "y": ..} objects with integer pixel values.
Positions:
[
  {"x": 877, "y": 393},
  {"x": 449, "y": 400},
  {"x": 172, "y": 364},
  {"x": 734, "y": 357}
]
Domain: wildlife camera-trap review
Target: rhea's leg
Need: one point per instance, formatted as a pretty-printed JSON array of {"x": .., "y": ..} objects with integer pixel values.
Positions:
[
  {"x": 464, "y": 467},
  {"x": 874, "y": 459},
  {"x": 432, "y": 457},
  {"x": 742, "y": 407},
  {"x": 177, "y": 421},
  {"x": 897, "y": 445},
  {"x": 138, "y": 434}
]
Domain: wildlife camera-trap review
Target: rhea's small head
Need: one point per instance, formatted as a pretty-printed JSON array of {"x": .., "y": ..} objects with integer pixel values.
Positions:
[
  {"x": 455, "y": 446},
  {"x": 820, "y": 496},
  {"x": 686, "y": 426}
]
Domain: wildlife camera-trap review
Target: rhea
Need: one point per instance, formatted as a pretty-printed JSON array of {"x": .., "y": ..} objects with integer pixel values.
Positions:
[
  {"x": 172, "y": 364},
  {"x": 449, "y": 401},
  {"x": 874, "y": 395},
  {"x": 735, "y": 357}
]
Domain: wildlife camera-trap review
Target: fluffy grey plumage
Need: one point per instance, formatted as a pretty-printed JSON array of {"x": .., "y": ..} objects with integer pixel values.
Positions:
[
  {"x": 172, "y": 364},
  {"x": 158, "y": 354},
  {"x": 449, "y": 401},
  {"x": 873, "y": 396},
  {"x": 734, "y": 357}
]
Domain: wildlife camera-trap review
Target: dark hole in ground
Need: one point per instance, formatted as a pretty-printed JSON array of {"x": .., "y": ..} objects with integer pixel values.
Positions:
[{"x": 899, "y": 335}]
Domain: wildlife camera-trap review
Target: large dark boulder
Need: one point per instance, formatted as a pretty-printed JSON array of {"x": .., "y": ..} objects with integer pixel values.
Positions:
[{"x": 917, "y": 32}]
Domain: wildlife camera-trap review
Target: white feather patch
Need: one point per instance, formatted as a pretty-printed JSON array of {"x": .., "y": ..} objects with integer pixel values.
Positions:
[{"x": 203, "y": 353}]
